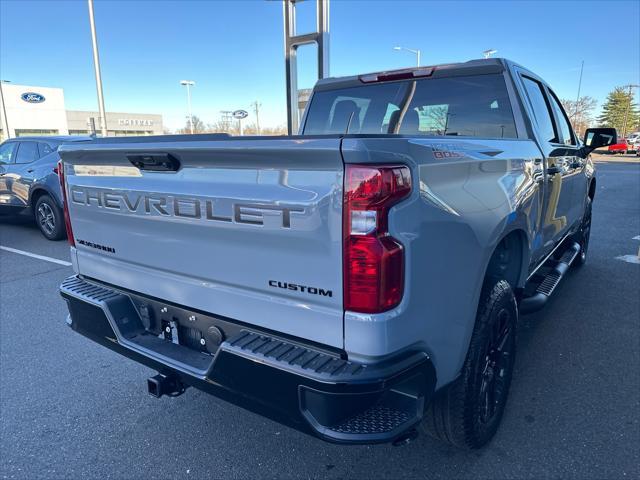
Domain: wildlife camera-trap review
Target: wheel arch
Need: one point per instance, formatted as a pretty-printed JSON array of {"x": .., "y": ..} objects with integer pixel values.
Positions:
[
  {"x": 37, "y": 192},
  {"x": 510, "y": 258},
  {"x": 592, "y": 189}
]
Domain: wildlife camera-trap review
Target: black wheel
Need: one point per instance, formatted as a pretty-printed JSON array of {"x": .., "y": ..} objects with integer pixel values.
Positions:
[
  {"x": 582, "y": 237},
  {"x": 49, "y": 218},
  {"x": 467, "y": 413}
]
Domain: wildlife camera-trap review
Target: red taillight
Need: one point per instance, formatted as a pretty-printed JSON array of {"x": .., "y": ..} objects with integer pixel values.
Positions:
[
  {"x": 67, "y": 222},
  {"x": 373, "y": 260}
]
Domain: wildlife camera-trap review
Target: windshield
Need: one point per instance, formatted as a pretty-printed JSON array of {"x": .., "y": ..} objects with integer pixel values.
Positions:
[{"x": 476, "y": 106}]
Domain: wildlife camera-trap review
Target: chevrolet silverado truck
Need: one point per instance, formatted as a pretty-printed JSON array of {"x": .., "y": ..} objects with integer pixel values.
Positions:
[{"x": 360, "y": 281}]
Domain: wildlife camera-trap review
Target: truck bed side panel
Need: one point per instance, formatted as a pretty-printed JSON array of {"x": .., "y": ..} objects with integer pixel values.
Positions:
[{"x": 467, "y": 194}]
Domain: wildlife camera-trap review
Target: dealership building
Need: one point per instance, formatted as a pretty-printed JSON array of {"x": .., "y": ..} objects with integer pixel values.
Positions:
[{"x": 31, "y": 110}]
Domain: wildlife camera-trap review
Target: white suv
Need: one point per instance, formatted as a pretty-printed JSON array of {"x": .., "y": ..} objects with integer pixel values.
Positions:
[{"x": 633, "y": 142}]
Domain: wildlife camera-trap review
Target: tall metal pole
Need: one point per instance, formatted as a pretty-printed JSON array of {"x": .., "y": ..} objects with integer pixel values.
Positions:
[
  {"x": 293, "y": 40},
  {"x": 189, "y": 84},
  {"x": 5, "y": 121},
  {"x": 626, "y": 112},
  {"x": 575, "y": 110},
  {"x": 416, "y": 52},
  {"x": 96, "y": 66},
  {"x": 256, "y": 108},
  {"x": 189, "y": 105}
]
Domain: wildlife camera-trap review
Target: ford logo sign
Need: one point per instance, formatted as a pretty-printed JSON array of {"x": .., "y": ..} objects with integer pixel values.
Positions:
[
  {"x": 32, "y": 97},
  {"x": 240, "y": 114}
]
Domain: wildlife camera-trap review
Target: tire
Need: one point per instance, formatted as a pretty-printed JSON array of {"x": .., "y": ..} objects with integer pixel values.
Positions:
[
  {"x": 467, "y": 413},
  {"x": 583, "y": 235},
  {"x": 49, "y": 218}
]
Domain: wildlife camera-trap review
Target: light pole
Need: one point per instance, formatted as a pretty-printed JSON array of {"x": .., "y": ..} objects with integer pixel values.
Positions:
[
  {"x": 189, "y": 84},
  {"x": 416, "y": 52},
  {"x": 488, "y": 53},
  {"x": 96, "y": 66},
  {"x": 256, "y": 108},
  {"x": 626, "y": 112},
  {"x": 5, "y": 121},
  {"x": 575, "y": 110}
]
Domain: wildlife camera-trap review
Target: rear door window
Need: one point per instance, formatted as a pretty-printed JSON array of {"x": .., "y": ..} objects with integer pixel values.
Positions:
[
  {"x": 476, "y": 106},
  {"x": 27, "y": 152},
  {"x": 45, "y": 149}
]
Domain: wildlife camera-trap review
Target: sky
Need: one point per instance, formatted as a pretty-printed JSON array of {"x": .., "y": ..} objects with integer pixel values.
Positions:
[{"x": 234, "y": 50}]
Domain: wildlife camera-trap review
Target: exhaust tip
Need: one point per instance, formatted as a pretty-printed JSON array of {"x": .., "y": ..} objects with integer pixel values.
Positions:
[{"x": 406, "y": 438}]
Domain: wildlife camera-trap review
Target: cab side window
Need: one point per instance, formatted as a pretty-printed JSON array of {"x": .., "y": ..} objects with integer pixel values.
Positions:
[
  {"x": 541, "y": 111},
  {"x": 27, "y": 152},
  {"x": 45, "y": 149},
  {"x": 7, "y": 152},
  {"x": 563, "y": 122}
]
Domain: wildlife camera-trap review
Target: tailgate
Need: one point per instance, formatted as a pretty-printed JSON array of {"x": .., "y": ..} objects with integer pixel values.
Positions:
[{"x": 249, "y": 229}]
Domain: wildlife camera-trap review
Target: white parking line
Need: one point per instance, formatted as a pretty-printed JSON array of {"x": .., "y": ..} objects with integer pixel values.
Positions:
[
  {"x": 629, "y": 258},
  {"x": 34, "y": 255}
]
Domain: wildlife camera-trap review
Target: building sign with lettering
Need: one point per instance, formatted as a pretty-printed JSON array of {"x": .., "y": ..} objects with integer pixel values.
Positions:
[
  {"x": 32, "y": 97},
  {"x": 134, "y": 122}
]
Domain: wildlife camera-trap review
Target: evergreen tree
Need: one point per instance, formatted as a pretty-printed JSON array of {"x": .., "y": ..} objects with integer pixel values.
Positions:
[{"x": 619, "y": 103}]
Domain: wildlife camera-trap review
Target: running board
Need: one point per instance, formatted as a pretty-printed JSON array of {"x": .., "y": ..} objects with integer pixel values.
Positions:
[{"x": 542, "y": 286}]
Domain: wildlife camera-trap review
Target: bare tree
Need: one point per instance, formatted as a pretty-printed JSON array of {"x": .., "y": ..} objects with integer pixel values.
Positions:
[
  {"x": 580, "y": 113},
  {"x": 198, "y": 126},
  {"x": 250, "y": 129}
]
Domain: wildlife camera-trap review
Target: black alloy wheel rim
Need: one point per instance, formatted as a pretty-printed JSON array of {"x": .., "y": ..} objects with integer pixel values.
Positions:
[
  {"x": 46, "y": 218},
  {"x": 496, "y": 364}
]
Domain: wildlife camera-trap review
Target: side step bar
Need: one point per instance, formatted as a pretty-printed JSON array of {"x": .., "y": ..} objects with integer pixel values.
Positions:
[{"x": 545, "y": 283}]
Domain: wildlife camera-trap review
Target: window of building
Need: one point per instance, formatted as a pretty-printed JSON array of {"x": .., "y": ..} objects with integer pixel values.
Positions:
[
  {"x": 27, "y": 152},
  {"x": 29, "y": 133}
]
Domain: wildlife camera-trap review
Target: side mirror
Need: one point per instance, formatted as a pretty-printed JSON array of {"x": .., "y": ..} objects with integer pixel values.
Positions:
[{"x": 599, "y": 137}]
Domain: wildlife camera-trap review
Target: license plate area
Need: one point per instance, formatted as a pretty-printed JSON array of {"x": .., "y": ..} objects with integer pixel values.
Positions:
[{"x": 198, "y": 331}]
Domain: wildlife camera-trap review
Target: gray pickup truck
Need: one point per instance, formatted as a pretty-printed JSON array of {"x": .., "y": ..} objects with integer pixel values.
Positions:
[{"x": 359, "y": 281}]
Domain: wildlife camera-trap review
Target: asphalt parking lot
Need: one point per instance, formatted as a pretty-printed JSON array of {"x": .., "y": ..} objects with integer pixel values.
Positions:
[{"x": 72, "y": 409}]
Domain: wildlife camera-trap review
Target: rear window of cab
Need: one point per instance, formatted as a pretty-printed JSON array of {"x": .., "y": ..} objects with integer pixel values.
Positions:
[{"x": 474, "y": 106}]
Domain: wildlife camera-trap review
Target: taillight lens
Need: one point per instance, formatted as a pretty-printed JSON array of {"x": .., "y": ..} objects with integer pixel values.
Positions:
[
  {"x": 67, "y": 222},
  {"x": 373, "y": 260}
]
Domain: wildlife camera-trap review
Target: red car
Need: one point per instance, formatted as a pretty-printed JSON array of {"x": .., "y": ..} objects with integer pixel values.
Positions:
[{"x": 620, "y": 147}]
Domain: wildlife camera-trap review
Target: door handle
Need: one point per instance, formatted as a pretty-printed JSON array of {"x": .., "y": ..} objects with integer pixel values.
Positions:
[
  {"x": 155, "y": 162},
  {"x": 576, "y": 164},
  {"x": 31, "y": 170}
]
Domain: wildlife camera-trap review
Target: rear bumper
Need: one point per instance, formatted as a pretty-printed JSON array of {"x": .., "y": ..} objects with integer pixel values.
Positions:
[{"x": 299, "y": 385}]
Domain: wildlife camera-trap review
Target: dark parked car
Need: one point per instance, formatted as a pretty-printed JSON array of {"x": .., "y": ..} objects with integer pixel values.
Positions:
[{"x": 29, "y": 180}]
